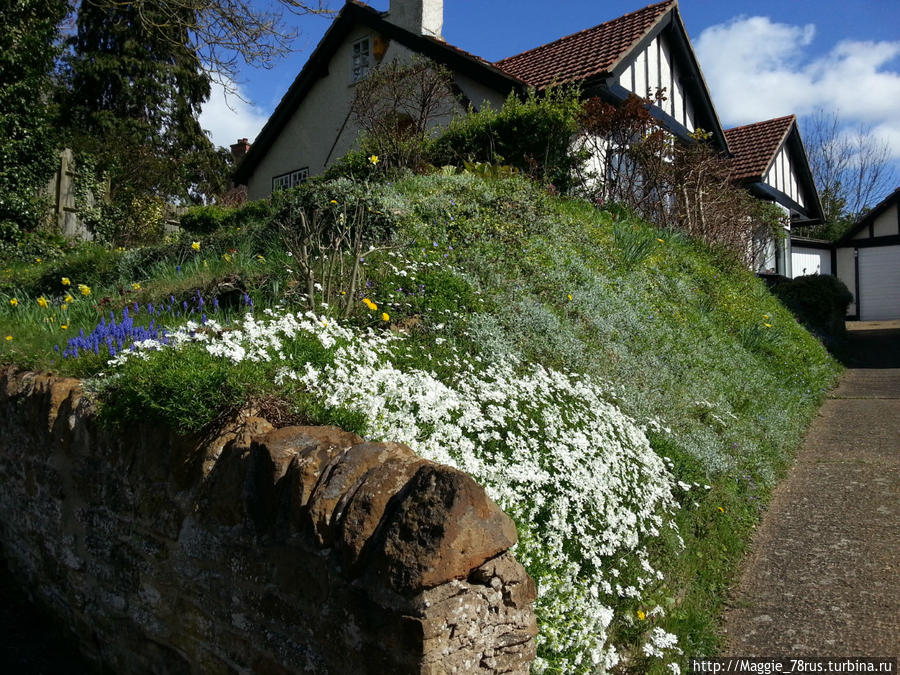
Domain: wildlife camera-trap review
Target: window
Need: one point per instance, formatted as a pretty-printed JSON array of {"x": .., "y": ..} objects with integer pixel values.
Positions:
[
  {"x": 290, "y": 179},
  {"x": 362, "y": 52}
]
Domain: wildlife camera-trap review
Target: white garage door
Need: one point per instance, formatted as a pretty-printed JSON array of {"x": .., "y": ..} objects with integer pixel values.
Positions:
[{"x": 879, "y": 283}]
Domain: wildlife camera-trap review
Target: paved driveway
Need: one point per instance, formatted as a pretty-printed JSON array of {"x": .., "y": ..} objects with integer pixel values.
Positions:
[{"x": 822, "y": 578}]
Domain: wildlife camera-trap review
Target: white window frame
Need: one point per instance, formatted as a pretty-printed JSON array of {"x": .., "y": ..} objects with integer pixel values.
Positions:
[
  {"x": 290, "y": 179},
  {"x": 361, "y": 59}
]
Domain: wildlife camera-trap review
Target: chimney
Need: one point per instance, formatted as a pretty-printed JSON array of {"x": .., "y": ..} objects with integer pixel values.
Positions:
[
  {"x": 239, "y": 149},
  {"x": 422, "y": 17}
]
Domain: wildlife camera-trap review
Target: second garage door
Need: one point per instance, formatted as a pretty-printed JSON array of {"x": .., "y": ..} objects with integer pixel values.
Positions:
[{"x": 879, "y": 283}]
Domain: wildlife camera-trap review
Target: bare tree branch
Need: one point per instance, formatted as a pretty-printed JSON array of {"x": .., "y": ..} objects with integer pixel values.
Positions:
[{"x": 226, "y": 34}]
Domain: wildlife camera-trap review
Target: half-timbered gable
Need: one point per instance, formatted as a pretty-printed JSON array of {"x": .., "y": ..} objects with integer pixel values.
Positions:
[
  {"x": 641, "y": 53},
  {"x": 769, "y": 159}
]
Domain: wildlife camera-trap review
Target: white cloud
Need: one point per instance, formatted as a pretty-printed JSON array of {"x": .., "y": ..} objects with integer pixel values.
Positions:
[
  {"x": 757, "y": 69},
  {"x": 226, "y": 118}
]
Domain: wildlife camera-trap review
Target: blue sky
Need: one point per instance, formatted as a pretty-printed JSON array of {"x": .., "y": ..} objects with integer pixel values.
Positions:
[{"x": 761, "y": 59}]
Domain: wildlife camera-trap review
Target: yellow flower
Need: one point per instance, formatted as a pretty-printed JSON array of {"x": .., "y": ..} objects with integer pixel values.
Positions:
[
  {"x": 334, "y": 201},
  {"x": 64, "y": 307},
  {"x": 42, "y": 301},
  {"x": 66, "y": 282},
  {"x": 64, "y": 326},
  {"x": 136, "y": 286},
  {"x": 205, "y": 265},
  {"x": 371, "y": 305},
  {"x": 641, "y": 615},
  {"x": 196, "y": 245},
  {"x": 85, "y": 290},
  {"x": 661, "y": 241},
  {"x": 69, "y": 298},
  {"x": 765, "y": 316},
  {"x": 260, "y": 256},
  {"x": 8, "y": 338},
  {"x": 767, "y": 325},
  {"x": 226, "y": 257},
  {"x": 385, "y": 316},
  {"x": 721, "y": 509},
  {"x": 374, "y": 159},
  {"x": 37, "y": 260},
  {"x": 13, "y": 302},
  {"x": 569, "y": 296}
]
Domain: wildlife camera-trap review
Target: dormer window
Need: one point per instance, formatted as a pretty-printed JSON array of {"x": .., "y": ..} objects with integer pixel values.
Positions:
[{"x": 362, "y": 59}]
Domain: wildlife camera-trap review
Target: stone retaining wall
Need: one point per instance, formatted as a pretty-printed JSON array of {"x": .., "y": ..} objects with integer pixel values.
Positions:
[{"x": 261, "y": 550}]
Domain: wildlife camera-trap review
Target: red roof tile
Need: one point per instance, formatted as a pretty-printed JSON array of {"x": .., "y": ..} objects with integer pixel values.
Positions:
[
  {"x": 754, "y": 146},
  {"x": 584, "y": 54}
]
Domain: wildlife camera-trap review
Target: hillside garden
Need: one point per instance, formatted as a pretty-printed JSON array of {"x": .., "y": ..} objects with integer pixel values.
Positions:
[{"x": 629, "y": 395}]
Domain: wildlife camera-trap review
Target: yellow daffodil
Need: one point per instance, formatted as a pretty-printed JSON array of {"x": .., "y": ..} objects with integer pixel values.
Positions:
[
  {"x": 569, "y": 296},
  {"x": 69, "y": 298},
  {"x": 64, "y": 326},
  {"x": 38, "y": 261},
  {"x": 641, "y": 615},
  {"x": 385, "y": 316},
  {"x": 661, "y": 241},
  {"x": 226, "y": 257},
  {"x": 64, "y": 307},
  {"x": 767, "y": 325},
  {"x": 8, "y": 338},
  {"x": 195, "y": 245},
  {"x": 374, "y": 159},
  {"x": 334, "y": 201},
  {"x": 261, "y": 257},
  {"x": 42, "y": 301},
  {"x": 136, "y": 286},
  {"x": 84, "y": 289},
  {"x": 721, "y": 509},
  {"x": 765, "y": 316},
  {"x": 371, "y": 305},
  {"x": 66, "y": 281},
  {"x": 13, "y": 302}
]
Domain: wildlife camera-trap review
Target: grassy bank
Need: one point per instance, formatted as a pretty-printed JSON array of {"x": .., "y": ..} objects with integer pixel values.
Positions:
[{"x": 627, "y": 395}]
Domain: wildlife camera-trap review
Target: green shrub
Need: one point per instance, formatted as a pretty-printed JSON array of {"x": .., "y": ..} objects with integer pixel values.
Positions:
[
  {"x": 532, "y": 135},
  {"x": 204, "y": 219},
  {"x": 819, "y": 302}
]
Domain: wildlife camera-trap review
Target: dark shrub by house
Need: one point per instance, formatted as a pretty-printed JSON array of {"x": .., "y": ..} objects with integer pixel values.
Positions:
[{"x": 819, "y": 302}]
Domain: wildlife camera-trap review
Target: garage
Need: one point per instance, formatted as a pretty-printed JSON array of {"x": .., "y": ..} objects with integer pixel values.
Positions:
[
  {"x": 879, "y": 283},
  {"x": 867, "y": 260}
]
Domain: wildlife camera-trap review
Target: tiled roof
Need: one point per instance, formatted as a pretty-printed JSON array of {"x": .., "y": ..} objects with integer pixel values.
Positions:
[
  {"x": 754, "y": 146},
  {"x": 582, "y": 55}
]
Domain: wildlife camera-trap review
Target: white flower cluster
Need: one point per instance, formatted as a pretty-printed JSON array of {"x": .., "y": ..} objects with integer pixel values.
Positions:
[{"x": 578, "y": 476}]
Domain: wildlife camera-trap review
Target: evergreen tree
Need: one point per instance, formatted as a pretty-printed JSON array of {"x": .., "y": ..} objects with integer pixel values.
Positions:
[
  {"x": 28, "y": 50},
  {"x": 135, "y": 91}
]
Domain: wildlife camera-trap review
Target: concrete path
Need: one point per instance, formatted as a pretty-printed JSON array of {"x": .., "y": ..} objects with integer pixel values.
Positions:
[{"x": 823, "y": 575}]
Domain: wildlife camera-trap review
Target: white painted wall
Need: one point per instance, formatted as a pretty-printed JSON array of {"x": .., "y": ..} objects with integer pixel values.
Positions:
[
  {"x": 783, "y": 177},
  {"x": 805, "y": 261},
  {"x": 322, "y": 130},
  {"x": 886, "y": 224},
  {"x": 846, "y": 272},
  {"x": 653, "y": 69}
]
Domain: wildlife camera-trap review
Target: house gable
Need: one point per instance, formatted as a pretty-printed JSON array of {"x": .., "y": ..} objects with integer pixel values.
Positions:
[
  {"x": 477, "y": 79},
  {"x": 769, "y": 158},
  {"x": 640, "y": 53},
  {"x": 880, "y": 225}
]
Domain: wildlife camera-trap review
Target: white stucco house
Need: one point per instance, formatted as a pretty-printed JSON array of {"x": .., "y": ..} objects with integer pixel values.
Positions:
[{"x": 639, "y": 53}]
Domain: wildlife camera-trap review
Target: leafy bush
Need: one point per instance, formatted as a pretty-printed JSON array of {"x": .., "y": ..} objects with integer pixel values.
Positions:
[
  {"x": 533, "y": 135},
  {"x": 204, "y": 219},
  {"x": 819, "y": 301}
]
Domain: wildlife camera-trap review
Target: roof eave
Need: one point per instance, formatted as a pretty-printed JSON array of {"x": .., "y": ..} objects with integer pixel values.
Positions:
[{"x": 351, "y": 14}]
